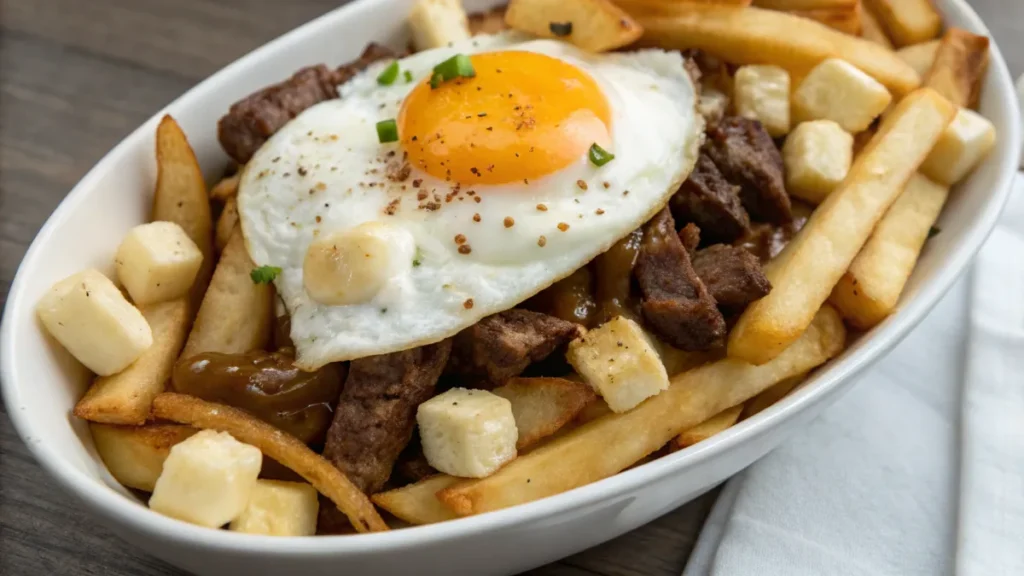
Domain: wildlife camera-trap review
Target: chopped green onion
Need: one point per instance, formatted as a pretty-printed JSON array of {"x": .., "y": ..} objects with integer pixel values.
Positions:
[
  {"x": 389, "y": 75},
  {"x": 387, "y": 131},
  {"x": 560, "y": 28},
  {"x": 408, "y": 76},
  {"x": 458, "y": 66},
  {"x": 599, "y": 156},
  {"x": 264, "y": 274}
]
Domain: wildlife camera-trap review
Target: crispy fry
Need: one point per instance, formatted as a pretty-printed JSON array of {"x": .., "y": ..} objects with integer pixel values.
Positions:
[
  {"x": 758, "y": 36},
  {"x": 417, "y": 503},
  {"x": 227, "y": 188},
  {"x": 907, "y": 21},
  {"x": 612, "y": 443},
  {"x": 959, "y": 68},
  {"x": 181, "y": 197},
  {"x": 787, "y": 5},
  {"x": 236, "y": 313},
  {"x": 594, "y": 25},
  {"x": 804, "y": 274},
  {"x": 275, "y": 444},
  {"x": 920, "y": 56},
  {"x": 871, "y": 29},
  {"x": 869, "y": 290},
  {"x": 226, "y": 223},
  {"x": 707, "y": 428},
  {"x": 126, "y": 397},
  {"x": 770, "y": 396},
  {"x": 134, "y": 455},
  {"x": 488, "y": 22},
  {"x": 541, "y": 406},
  {"x": 843, "y": 20}
]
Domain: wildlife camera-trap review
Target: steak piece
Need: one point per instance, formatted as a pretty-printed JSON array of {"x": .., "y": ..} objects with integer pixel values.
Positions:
[
  {"x": 376, "y": 413},
  {"x": 733, "y": 275},
  {"x": 676, "y": 305},
  {"x": 712, "y": 203},
  {"x": 412, "y": 465},
  {"x": 502, "y": 345},
  {"x": 746, "y": 155},
  {"x": 255, "y": 118}
]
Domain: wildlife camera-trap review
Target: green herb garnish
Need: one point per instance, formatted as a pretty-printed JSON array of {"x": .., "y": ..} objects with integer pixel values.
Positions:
[
  {"x": 418, "y": 258},
  {"x": 458, "y": 66},
  {"x": 387, "y": 131},
  {"x": 599, "y": 156},
  {"x": 264, "y": 274},
  {"x": 408, "y": 76},
  {"x": 389, "y": 75}
]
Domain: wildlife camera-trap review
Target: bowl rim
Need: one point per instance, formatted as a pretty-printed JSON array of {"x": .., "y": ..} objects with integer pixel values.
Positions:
[{"x": 114, "y": 506}]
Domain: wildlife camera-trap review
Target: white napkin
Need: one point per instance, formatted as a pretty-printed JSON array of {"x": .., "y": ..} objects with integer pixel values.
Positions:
[{"x": 871, "y": 487}]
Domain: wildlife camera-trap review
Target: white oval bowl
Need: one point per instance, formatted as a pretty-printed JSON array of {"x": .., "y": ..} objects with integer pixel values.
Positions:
[{"x": 41, "y": 383}]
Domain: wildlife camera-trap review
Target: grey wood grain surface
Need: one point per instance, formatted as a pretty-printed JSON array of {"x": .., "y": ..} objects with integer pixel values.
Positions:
[{"x": 76, "y": 76}]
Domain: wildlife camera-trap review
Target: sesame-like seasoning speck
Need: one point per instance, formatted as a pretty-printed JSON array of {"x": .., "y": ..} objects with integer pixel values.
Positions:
[
  {"x": 416, "y": 183},
  {"x": 465, "y": 249},
  {"x": 563, "y": 226},
  {"x": 606, "y": 184},
  {"x": 625, "y": 192},
  {"x": 302, "y": 171},
  {"x": 542, "y": 241},
  {"x": 509, "y": 222},
  {"x": 460, "y": 239},
  {"x": 476, "y": 217},
  {"x": 542, "y": 207},
  {"x": 581, "y": 184},
  {"x": 318, "y": 219},
  {"x": 599, "y": 211},
  {"x": 468, "y": 304}
]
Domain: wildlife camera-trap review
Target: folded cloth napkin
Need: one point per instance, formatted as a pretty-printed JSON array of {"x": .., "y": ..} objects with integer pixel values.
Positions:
[{"x": 872, "y": 486}]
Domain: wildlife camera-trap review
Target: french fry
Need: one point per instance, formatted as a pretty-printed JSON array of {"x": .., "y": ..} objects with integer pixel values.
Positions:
[
  {"x": 227, "y": 187},
  {"x": 417, "y": 503},
  {"x": 845, "y": 21},
  {"x": 126, "y": 397},
  {"x": 181, "y": 197},
  {"x": 869, "y": 290},
  {"x": 787, "y": 5},
  {"x": 907, "y": 21},
  {"x": 871, "y": 30},
  {"x": 803, "y": 275},
  {"x": 541, "y": 406},
  {"x": 959, "y": 67},
  {"x": 758, "y": 36},
  {"x": 594, "y": 25},
  {"x": 920, "y": 57},
  {"x": 707, "y": 428},
  {"x": 488, "y": 22},
  {"x": 612, "y": 443},
  {"x": 770, "y": 396},
  {"x": 134, "y": 455},
  {"x": 275, "y": 444},
  {"x": 437, "y": 23},
  {"x": 226, "y": 223},
  {"x": 236, "y": 313}
]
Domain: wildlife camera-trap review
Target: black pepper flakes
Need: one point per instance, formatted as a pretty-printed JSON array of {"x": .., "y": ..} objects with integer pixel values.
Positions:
[{"x": 302, "y": 171}]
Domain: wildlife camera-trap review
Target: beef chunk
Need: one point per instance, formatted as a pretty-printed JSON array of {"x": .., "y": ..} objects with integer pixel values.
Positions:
[
  {"x": 689, "y": 235},
  {"x": 712, "y": 203},
  {"x": 255, "y": 118},
  {"x": 733, "y": 275},
  {"x": 676, "y": 305},
  {"x": 747, "y": 156},
  {"x": 502, "y": 345},
  {"x": 412, "y": 465},
  {"x": 376, "y": 412}
]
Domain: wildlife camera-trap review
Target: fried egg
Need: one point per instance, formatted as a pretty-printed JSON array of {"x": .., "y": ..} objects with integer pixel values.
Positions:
[{"x": 487, "y": 196}]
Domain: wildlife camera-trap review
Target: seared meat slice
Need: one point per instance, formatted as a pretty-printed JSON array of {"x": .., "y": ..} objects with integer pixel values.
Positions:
[
  {"x": 676, "y": 305},
  {"x": 502, "y": 345},
  {"x": 689, "y": 235},
  {"x": 710, "y": 202},
  {"x": 255, "y": 118},
  {"x": 376, "y": 413},
  {"x": 746, "y": 155},
  {"x": 412, "y": 465},
  {"x": 733, "y": 275}
]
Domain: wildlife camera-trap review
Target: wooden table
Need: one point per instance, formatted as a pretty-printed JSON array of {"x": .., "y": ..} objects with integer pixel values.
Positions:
[{"x": 76, "y": 76}]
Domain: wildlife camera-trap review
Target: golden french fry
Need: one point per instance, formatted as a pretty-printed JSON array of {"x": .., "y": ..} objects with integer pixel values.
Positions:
[
  {"x": 758, "y": 36},
  {"x": 594, "y": 25},
  {"x": 920, "y": 56},
  {"x": 958, "y": 71},
  {"x": 126, "y": 397},
  {"x": 488, "y": 22},
  {"x": 274, "y": 443},
  {"x": 226, "y": 223},
  {"x": 417, "y": 503},
  {"x": 770, "y": 396},
  {"x": 612, "y": 443},
  {"x": 907, "y": 21},
  {"x": 871, "y": 30},
  {"x": 134, "y": 455},
  {"x": 227, "y": 187},
  {"x": 181, "y": 197},
  {"x": 846, "y": 21},
  {"x": 787, "y": 5},
  {"x": 707, "y": 428},
  {"x": 541, "y": 406},
  {"x": 804, "y": 274},
  {"x": 869, "y": 290},
  {"x": 236, "y": 313}
]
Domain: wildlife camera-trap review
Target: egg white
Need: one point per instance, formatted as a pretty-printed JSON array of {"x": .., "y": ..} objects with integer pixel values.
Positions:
[{"x": 326, "y": 171}]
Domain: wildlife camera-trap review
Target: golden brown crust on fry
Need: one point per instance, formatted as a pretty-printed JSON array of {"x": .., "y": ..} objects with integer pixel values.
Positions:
[
  {"x": 543, "y": 405},
  {"x": 227, "y": 187},
  {"x": 594, "y": 25},
  {"x": 958, "y": 71},
  {"x": 417, "y": 503},
  {"x": 278, "y": 445},
  {"x": 708, "y": 428},
  {"x": 770, "y": 396},
  {"x": 871, "y": 29},
  {"x": 236, "y": 313},
  {"x": 226, "y": 223},
  {"x": 126, "y": 397},
  {"x": 907, "y": 21},
  {"x": 134, "y": 455}
]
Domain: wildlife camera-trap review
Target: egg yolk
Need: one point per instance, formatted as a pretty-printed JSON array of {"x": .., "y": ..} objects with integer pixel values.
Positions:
[{"x": 523, "y": 116}]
